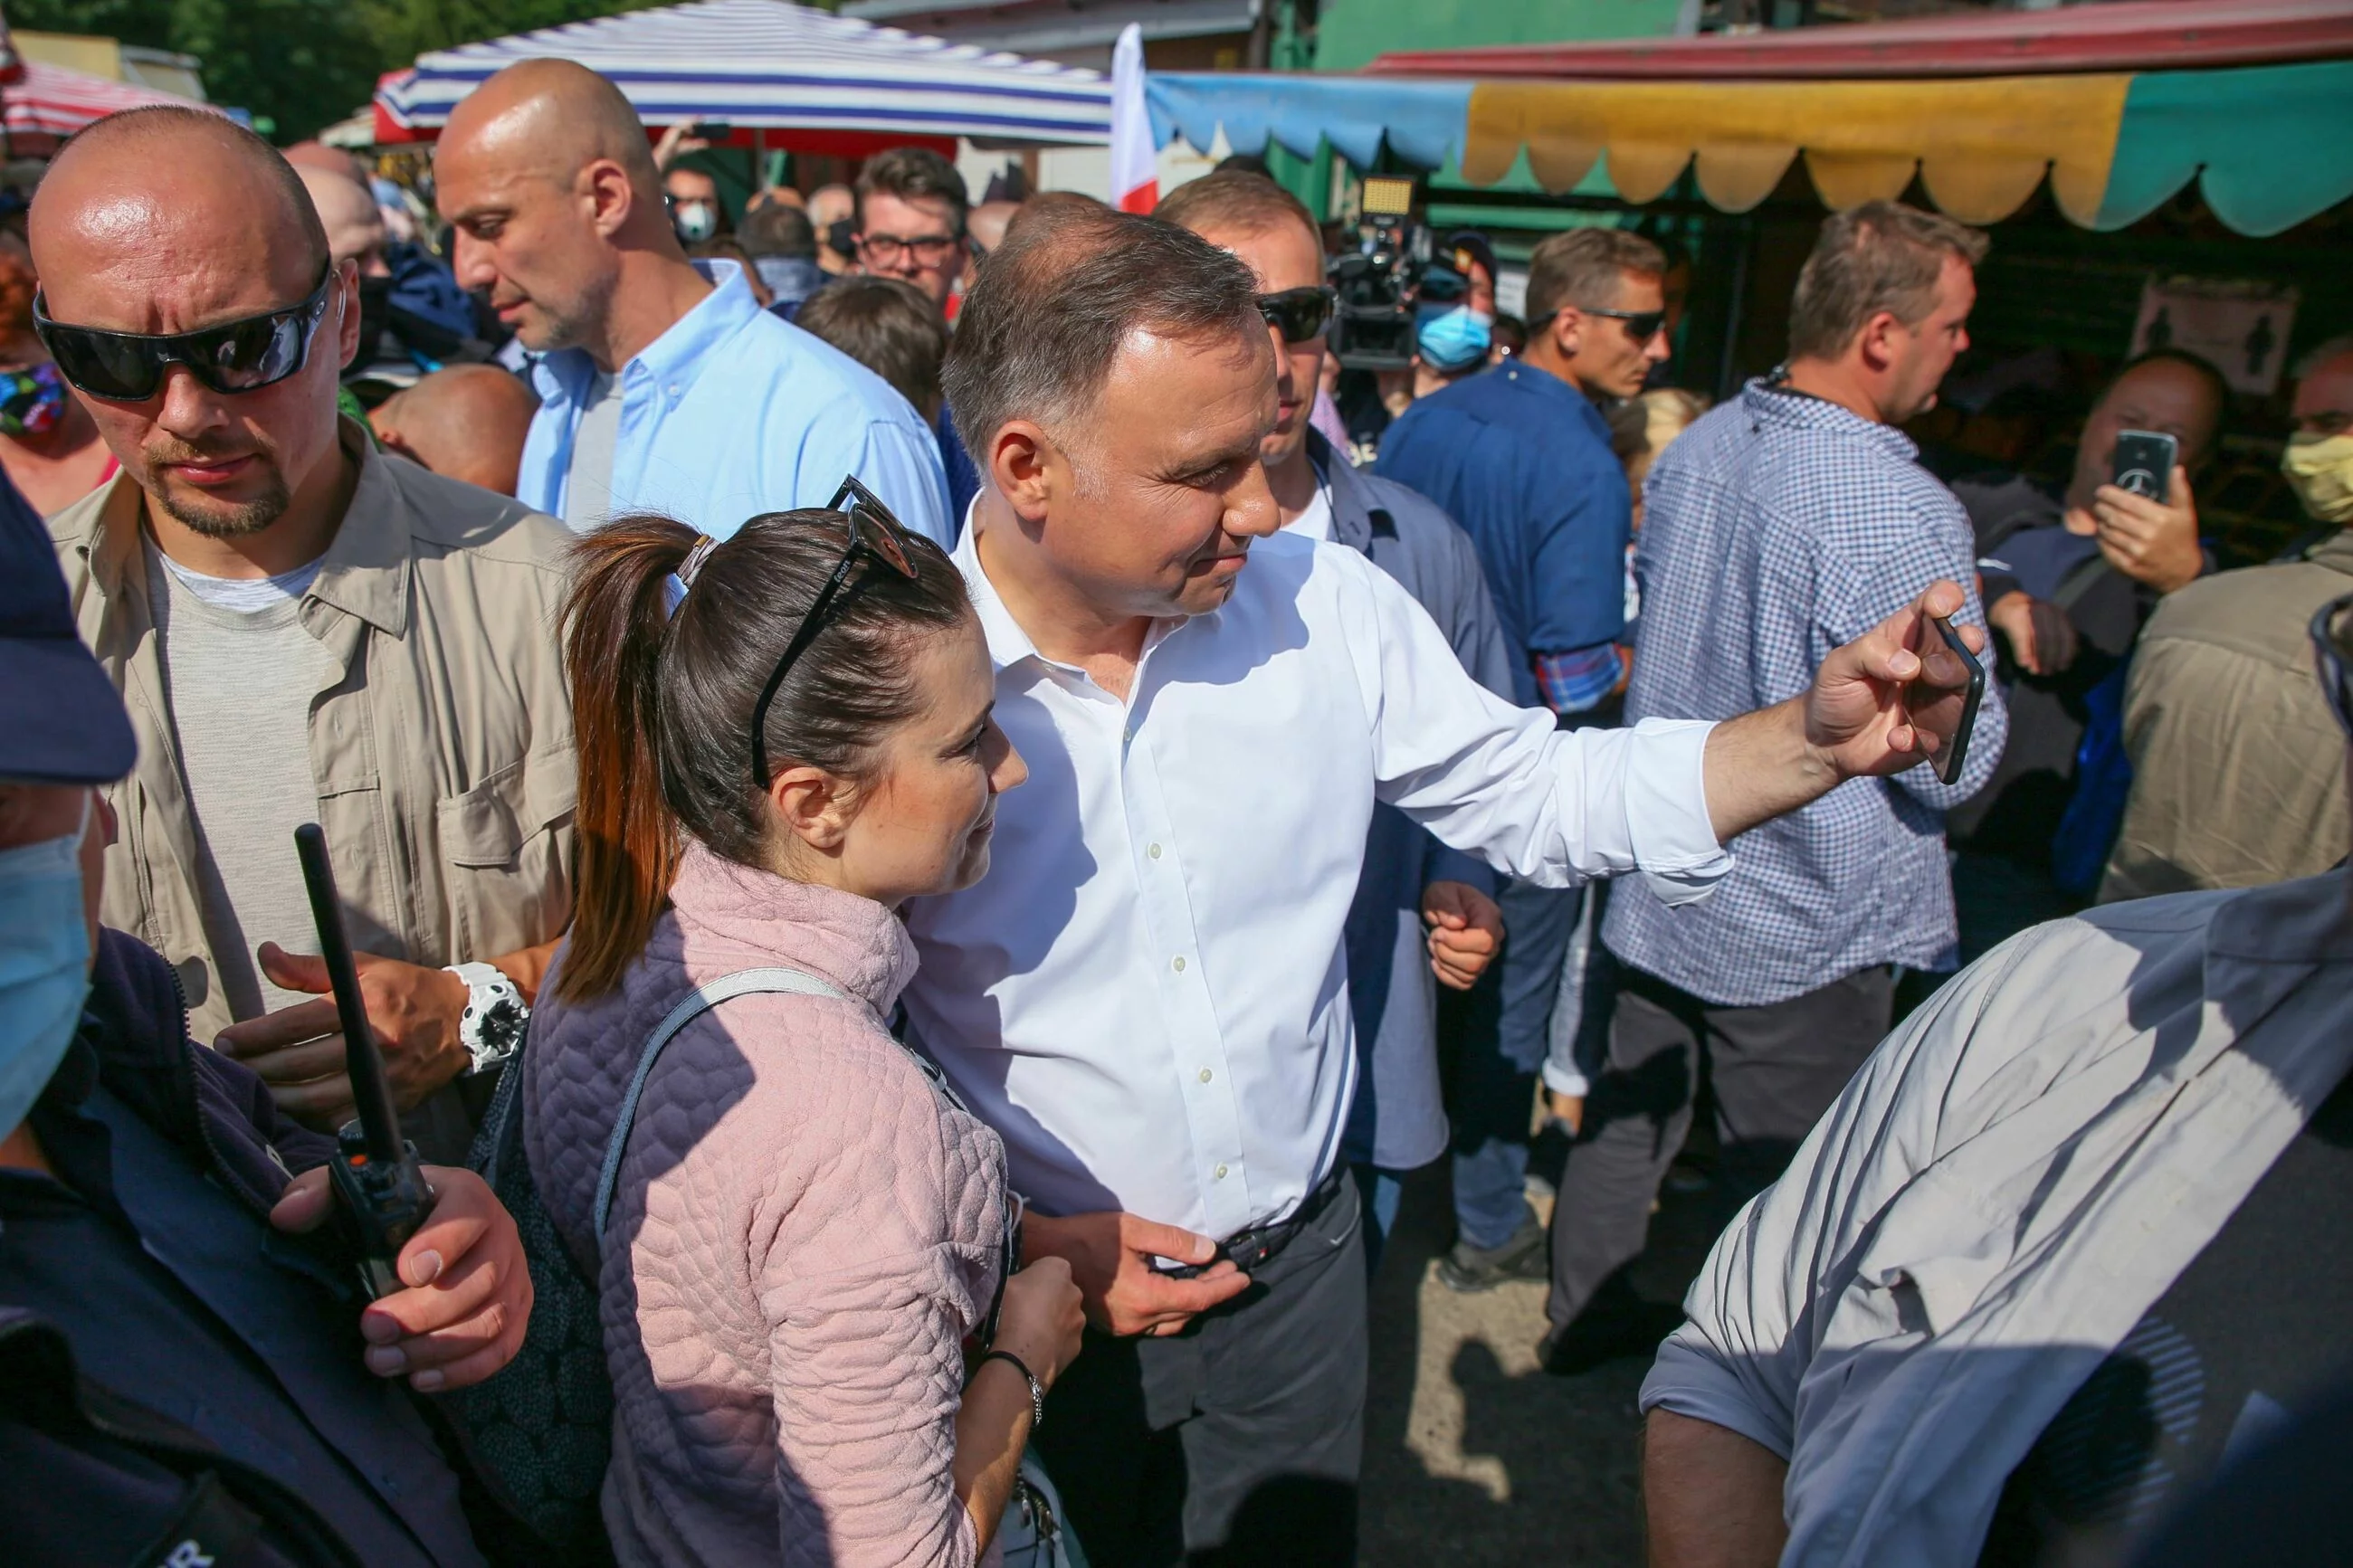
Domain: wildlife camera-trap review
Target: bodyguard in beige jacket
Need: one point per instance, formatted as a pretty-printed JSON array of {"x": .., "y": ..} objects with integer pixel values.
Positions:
[{"x": 302, "y": 629}]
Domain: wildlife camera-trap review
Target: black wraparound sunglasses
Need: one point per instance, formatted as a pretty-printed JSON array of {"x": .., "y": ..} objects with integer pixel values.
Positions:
[
  {"x": 1299, "y": 314},
  {"x": 1644, "y": 324},
  {"x": 2329, "y": 656},
  {"x": 243, "y": 355},
  {"x": 874, "y": 535}
]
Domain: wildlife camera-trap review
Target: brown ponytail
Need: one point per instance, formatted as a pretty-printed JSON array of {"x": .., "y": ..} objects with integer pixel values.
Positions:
[
  {"x": 662, "y": 704},
  {"x": 628, "y": 838}
]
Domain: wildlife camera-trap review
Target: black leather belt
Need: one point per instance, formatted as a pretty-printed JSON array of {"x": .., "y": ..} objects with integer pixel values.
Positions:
[{"x": 1250, "y": 1249}]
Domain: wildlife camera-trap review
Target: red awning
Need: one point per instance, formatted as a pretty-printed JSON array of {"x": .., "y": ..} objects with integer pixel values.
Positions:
[
  {"x": 2135, "y": 35},
  {"x": 50, "y": 101}
]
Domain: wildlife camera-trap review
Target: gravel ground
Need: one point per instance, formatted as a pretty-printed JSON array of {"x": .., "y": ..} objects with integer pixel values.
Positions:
[{"x": 1473, "y": 1456}]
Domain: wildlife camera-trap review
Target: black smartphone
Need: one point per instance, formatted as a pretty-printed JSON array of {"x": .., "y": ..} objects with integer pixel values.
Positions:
[
  {"x": 1947, "y": 761},
  {"x": 2143, "y": 462},
  {"x": 710, "y": 129}
]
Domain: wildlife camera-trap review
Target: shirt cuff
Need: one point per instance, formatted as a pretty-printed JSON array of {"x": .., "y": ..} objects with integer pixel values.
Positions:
[
  {"x": 1692, "y": 1382},
  {"x": 1666, "y": 810},
  {"x": 1566, "y": 1080}
]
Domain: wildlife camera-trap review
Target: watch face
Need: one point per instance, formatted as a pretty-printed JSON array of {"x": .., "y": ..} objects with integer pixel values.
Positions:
[{"x": 503, "y": 1024}]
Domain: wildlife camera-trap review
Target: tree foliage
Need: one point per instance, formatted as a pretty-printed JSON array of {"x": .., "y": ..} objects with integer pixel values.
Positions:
[{"x": 300, "y": 64}]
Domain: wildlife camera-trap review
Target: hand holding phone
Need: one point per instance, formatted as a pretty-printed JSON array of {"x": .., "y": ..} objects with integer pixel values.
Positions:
[{"x": 1949, "y": 758}]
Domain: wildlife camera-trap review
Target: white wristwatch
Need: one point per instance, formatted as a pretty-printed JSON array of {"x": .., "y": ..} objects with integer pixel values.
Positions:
[{"x": 495, "y": 1015}]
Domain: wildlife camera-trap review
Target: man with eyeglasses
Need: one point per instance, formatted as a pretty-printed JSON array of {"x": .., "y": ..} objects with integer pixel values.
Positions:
[
  {"x": 1422, "y": 911},
  {"x": 304, "y": 630},
  {"x": 665, "y": 387},
  {"x": 911, "y": 226},
  {"x": 1779, "y": 525},
  {"x": 1521, "y": 458},
  {"x": 2077, "y": 1235},
  {"x": 2238, "y": 777}
]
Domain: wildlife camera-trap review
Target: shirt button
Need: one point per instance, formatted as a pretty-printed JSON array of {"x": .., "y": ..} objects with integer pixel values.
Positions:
[
  {"x": 1205, "y": 1075},
  {"x": 1154, "y": 851},
  {"x": 1179, "y": 963},
  {"x": 1220, "y": 1173}
]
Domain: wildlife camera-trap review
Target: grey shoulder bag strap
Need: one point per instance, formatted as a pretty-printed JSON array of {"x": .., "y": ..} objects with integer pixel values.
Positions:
[{"x": 743, "y": 982}]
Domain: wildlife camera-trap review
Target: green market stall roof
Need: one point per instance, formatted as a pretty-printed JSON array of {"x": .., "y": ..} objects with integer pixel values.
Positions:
[{"x": 1983, "y": 108}]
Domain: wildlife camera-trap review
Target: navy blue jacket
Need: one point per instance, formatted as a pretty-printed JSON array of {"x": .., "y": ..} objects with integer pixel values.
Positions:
[
  {"x": 150, "y": 1270},
  {"x": 1398, "y": 1119},
  {"x": 1522, "y": 460}
]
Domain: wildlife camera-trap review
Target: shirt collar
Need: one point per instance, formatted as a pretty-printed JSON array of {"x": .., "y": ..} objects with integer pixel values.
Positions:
[
  {"x": 1008, "y": 644},
  {"x": 678, "y": 353},
  {"x": 1771, "y": 404}
]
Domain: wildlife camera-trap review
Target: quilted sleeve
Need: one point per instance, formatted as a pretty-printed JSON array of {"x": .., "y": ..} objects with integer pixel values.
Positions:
[{"x": 868, "y": 1289}]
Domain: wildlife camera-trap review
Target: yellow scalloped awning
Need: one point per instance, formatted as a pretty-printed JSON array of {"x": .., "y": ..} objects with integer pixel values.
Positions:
[{"x": 1980, "y": 145}]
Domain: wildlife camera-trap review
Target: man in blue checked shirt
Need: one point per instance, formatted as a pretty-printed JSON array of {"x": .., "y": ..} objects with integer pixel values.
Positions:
[
  {"x": 1520, "y": 456},
  {"x": 665, "y": 387},
  {"x": 1775, "y": 527}
]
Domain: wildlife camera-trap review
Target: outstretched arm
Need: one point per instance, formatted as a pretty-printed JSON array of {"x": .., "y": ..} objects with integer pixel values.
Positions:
[{"x": 1878, "y": 706}]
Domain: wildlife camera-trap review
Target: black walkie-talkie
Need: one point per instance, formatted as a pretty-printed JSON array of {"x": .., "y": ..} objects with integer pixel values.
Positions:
[{"x": 384, "y": 1195}]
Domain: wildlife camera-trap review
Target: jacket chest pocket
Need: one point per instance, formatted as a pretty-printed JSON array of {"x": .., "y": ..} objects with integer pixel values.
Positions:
[{"x": 506, "y": 851}]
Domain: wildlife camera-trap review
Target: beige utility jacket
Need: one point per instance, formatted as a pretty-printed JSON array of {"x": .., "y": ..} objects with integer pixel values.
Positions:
[
  {"x": 2238, "y": 767},
  {"x": 443, "y": 756}
]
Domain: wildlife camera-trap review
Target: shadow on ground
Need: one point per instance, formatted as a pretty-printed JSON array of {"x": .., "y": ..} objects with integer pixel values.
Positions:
[{"x": 1473, "y": 1456}]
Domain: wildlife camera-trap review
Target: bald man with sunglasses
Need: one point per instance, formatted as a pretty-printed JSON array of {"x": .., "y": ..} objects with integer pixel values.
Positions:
[{"x": 304, "y": 629}]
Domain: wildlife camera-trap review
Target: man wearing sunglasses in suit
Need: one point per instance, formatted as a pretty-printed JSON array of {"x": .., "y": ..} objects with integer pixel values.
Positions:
[{"x": 304, "y": 630}]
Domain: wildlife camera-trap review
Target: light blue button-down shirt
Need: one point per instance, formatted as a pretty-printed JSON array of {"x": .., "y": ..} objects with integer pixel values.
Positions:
[{"x": 732, "y": 413}]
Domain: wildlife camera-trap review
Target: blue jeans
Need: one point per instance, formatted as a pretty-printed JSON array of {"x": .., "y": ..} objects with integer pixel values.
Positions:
[{"x": 1501, "y": 1037}]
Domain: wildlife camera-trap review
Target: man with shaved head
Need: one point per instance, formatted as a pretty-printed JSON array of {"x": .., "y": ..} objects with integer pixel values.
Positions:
[
  {"x": 1148, "y": 994},
  {"x": 305, "y": 630},
  {"x": 468, "y": 422},
  {"x": 402, "y": 289},
  {"x": 665, "y": 387}
]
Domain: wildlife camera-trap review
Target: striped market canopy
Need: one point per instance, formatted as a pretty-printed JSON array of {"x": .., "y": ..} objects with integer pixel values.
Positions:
[
  {"x": 769, "y": 65},
  {"x": 50, "y": 101}
]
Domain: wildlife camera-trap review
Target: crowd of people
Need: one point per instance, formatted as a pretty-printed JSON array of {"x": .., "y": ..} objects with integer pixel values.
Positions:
[{"x": 936, "y": 817}]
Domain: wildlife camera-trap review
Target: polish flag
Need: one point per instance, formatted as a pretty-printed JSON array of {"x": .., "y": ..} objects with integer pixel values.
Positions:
[{"x": 1134, "y": 177}]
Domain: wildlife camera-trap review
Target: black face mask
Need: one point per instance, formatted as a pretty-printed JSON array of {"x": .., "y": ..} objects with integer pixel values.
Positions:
[{"x": 375, "y": 317}]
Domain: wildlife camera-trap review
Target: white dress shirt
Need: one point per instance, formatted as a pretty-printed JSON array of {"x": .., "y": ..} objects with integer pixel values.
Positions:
[{"x": 1147, "y": 995}]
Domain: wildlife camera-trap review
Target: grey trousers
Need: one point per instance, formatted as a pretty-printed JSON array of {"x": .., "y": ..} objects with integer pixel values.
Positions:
[
  {"x": 1238, "y": 1441},
  {"x": 1773, "y": 1071}
]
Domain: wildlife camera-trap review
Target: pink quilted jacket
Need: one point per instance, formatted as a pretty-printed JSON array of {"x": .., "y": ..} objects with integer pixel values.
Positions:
[{"x": 802, "y": 1232}]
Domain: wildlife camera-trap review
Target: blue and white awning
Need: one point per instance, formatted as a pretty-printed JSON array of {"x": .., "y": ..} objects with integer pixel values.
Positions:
[{"x": 771, "y": 65}]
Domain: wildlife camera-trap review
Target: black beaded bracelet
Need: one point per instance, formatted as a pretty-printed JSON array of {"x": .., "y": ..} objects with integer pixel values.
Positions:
[{"x": 1037, "y": 1389}]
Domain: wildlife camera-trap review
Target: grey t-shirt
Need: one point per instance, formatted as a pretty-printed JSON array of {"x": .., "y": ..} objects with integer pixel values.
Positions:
[
  {"x": 588, "y": 484},
  {"x": 240, "y": 672}
]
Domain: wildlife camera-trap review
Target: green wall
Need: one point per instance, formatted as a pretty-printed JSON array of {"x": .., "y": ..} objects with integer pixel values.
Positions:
[{"x": 1349, "y": 33}]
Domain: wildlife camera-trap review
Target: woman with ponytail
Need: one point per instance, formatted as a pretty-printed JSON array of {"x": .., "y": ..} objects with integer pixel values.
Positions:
[{"x": 782, "y": 738}]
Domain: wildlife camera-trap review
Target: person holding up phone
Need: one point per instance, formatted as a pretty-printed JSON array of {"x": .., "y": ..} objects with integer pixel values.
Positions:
[{"x": 2069, "y": 578}]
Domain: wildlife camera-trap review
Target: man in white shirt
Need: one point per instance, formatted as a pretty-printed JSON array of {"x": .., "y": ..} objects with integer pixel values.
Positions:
[
  {"x": 1147, "y": 996},
  {"x": 665, "y": 387}
]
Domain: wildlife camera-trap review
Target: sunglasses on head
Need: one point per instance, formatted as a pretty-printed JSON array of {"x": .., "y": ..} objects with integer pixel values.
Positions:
[
  {"x": 874, "y": 535},
  {"x": 243, "y": 355},
  {"x": 1642, "y": 325},
  {"x": 1299, "y": 314}
]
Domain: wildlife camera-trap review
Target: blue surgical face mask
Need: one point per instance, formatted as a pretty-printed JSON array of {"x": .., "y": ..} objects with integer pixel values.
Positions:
[
  {"x": 1455, "y": 339},
  {"x": 44, "y": 965}
]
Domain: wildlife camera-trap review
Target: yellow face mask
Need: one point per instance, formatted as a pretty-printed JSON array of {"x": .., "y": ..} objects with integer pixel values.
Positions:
[{"x": 2319, "y": 468}]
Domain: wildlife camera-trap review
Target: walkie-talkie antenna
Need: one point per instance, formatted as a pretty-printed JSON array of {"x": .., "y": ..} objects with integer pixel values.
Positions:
[{"x": 370, "y": 1093}]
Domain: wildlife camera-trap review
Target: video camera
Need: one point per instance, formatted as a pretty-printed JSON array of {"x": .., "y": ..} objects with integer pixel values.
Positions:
[{"x": 1393, "y": 268}]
